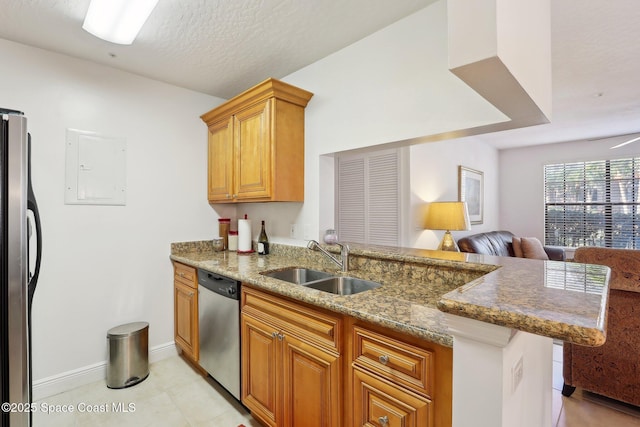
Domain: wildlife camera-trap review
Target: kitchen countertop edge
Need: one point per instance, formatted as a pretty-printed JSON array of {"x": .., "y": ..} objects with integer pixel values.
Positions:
[{"x": 466, "y": 301}]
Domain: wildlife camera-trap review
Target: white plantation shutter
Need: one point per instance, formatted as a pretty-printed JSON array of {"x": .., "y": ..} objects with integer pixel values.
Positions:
[
  {"x": 382, "y": 208},
  {"x": 368, "y": 198},
  {"x": 351, "y": 200}
]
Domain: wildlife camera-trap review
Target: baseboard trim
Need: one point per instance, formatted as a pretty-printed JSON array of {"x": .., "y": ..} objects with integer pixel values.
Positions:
[{"x": 66, "y": 381}]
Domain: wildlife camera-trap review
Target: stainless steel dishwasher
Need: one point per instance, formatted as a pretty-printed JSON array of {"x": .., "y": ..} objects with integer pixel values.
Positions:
[{"x": 219, "y": 324}]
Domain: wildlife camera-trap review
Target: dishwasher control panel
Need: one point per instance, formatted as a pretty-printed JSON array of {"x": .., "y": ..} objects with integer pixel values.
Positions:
[{"x": 221, "y": 285}]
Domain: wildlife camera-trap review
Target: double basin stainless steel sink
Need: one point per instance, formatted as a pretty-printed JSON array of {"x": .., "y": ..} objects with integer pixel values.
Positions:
[{"x": 322, "y": 281}]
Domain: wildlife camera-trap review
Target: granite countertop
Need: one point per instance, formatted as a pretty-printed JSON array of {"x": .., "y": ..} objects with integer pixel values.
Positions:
[{"x": 555, "y": 299}]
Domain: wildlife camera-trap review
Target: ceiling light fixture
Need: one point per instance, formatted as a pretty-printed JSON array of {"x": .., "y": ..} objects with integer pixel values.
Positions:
[{"x": 117, "y": 21}]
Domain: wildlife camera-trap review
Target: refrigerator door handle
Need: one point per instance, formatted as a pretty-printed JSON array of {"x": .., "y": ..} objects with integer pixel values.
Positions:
[
  {"x": 33, "y": 277},
  {"x": 33, "y": 207}
]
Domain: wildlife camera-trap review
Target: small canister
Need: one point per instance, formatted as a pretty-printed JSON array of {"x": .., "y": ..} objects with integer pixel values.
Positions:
[
  {"x": 223, "y": 228},
  {"x": 233, "y": 240}
]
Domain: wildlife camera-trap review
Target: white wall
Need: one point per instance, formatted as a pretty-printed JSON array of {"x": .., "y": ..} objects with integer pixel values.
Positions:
[
  {"x": 434, "y": 177},
  {"x": 522, "y": 178},
  {"x": 107, "y": 265},
  {"x": 391, "y": 86}
]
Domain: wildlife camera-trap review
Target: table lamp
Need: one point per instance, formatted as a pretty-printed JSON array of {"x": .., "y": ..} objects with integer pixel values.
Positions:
[{"x": 447, "y": 216}]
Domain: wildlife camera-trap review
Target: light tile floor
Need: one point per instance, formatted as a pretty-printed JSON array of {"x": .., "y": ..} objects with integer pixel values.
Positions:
[{"x": 176, "y": 395}]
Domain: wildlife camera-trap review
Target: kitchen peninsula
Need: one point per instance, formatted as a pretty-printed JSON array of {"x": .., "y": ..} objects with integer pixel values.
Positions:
[{"x": 490, "y": 310}]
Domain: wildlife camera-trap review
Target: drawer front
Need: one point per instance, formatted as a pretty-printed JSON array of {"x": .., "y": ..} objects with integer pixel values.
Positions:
[
  {"x": 377, "y": 403},
  {"x": 395, "y": 360},
  {"x": 307, "y": 324},
  {"x": 186, "y": 274}
]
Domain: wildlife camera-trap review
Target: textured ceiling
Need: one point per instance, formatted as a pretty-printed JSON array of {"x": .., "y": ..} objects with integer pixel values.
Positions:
[
  {"x": 219, "y": 47},
  {"x": 595, "y": 48},
  {"x": 223, "y": 47}
]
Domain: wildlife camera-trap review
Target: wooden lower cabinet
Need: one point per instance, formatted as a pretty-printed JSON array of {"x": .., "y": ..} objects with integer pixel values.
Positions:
[
  {"x": 287, "y": 380},
  {"x": 398, "y": 380},
  {"x": 260, "y": 356},
  {"x": 311, "y": 385},
  {"x": 185, "y": 294},
  {"x": 379, "y": 403},
  {"x": 296, "y": 374}
]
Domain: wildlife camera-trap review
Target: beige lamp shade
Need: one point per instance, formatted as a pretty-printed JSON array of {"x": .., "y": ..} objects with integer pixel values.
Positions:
[{"x": 447, "y": 216}]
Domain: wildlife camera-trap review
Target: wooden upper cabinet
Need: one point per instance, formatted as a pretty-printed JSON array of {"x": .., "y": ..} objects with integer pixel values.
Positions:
[
  {"x": 220, "y": 160},
  {"x": 253, "y": 151},
  {"x": 256, "y": 145}
]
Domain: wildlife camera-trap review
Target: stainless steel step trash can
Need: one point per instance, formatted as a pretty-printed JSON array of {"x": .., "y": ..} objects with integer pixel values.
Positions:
[{"x": 128, "y": 348}]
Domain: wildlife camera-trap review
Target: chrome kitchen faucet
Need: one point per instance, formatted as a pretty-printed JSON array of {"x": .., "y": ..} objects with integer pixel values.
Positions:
[{"x": 343, "y": 263}]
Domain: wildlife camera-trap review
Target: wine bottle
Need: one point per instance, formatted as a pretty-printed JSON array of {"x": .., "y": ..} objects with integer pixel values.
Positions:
[{"x": 263, "y": 242}]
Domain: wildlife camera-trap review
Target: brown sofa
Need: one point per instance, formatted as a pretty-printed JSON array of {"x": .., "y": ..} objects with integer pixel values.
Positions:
[
  {"x": 499, "y": 243},
  {"x": 613, "y": 369}
]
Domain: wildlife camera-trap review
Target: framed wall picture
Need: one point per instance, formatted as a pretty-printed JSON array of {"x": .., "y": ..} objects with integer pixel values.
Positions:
[{"x": 471, "y": 190}]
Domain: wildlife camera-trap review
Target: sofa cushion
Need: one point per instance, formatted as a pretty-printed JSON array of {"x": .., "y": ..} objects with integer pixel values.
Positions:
[
  {"x": 490, "y": 243},
  {"x": 532, "y": 248},
  {"x": 517, "y": 247}
]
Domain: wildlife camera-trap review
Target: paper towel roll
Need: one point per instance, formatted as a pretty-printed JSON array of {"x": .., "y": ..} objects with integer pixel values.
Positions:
[{"x": 244, "y": 235}]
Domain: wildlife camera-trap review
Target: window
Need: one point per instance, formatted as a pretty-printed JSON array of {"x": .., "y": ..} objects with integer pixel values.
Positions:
[
  {"x": 593, "y": 203},
  {"x": 368, "y": 193}
]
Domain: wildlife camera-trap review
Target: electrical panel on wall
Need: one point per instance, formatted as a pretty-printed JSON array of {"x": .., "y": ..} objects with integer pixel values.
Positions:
[{"x": 95, "y": 169}]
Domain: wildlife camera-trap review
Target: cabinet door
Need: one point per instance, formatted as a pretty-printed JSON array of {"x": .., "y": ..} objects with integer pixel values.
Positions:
[
  {"x": 312, "y": 391},
  {"x": 220, "y": 161},
  {"x": 377, "y": 403},
  {"x": 260, "y": 369},
  {"x": 253, "y": 162},
  {"x": 186, "y": 319}
]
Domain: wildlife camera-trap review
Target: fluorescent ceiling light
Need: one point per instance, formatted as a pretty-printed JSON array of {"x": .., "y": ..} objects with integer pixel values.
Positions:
[{"x": 117, "y": 21}]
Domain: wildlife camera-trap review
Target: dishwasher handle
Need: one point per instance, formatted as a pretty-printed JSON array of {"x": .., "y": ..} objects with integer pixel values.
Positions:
[{"x": 221, "y": 285}]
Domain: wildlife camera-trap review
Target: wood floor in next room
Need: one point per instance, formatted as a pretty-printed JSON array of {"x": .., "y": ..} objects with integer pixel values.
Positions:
[
  {"x": 584, "y": 409},
  {"x": 175, "y": 395}
]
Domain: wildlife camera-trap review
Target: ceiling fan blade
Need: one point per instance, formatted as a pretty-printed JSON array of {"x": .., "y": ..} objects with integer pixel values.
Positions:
[{"x": 622, "y": 144}]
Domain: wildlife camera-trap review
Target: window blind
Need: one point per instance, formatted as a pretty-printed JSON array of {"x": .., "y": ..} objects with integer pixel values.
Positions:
[
  {"x": 368, "y": 198},
  {"x": 593, "y": 203}
]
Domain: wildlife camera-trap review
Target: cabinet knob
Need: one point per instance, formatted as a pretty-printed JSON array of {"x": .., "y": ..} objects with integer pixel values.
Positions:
[
  {"x": 280, "y": 337},
  {"x": 235, "y": 195},
  {"x": 227, "y": 196},
  {"x": 384, "y": 421},
  {"x": 384, "y": 359},
  {"x": 274, "y": 334},
  {"x": 181, "y": 274}
]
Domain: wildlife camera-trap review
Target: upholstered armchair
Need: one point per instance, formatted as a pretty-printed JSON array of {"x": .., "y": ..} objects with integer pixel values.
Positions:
[{"x": 613, "y": 369}]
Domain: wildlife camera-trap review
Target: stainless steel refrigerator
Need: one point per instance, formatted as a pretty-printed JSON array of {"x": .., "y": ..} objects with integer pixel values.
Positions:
[{"x": 19, "y": 225}]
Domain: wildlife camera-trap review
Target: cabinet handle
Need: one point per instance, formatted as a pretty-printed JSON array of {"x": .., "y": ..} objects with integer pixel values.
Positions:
[
  {"x": 384, "y": 359},
  {"x": 235, "y": 195},
  {"x": 274, "y": 334},
  {"x": 384, "y": 421},
  {"x": 280, "y": 337}
]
